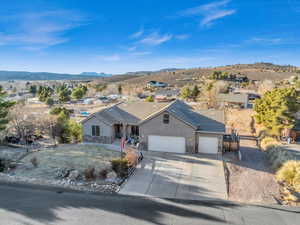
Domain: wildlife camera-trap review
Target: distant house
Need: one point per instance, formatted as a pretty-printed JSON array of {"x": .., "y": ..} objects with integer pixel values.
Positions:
[
  {"x": 241, "y": 100},
  {"x": 166, "y": 95},
  {"x": 164, "y": 127},
  {"x": 233, "y": 100}
]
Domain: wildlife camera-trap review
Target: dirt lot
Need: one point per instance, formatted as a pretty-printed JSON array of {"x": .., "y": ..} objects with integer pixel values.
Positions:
[
  {"x": 251, "y": 180},
  {"x": 240, "y": 119}
]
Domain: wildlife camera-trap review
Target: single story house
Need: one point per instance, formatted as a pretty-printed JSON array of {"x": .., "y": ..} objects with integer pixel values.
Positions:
[
  {"x": 230, "y": 100},
  {"x": 166, "y": 95},
  {"x": 165, "y": 127}
]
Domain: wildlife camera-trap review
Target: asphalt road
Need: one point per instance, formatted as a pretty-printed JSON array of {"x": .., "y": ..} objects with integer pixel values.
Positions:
[{"x": 31, "y": 206}]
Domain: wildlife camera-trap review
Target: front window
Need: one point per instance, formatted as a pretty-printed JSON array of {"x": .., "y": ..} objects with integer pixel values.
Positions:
[
  {"x": 135, "y": 130},
  {"x": 96, "y": 131},
  {"x": 166, "y": 118}
]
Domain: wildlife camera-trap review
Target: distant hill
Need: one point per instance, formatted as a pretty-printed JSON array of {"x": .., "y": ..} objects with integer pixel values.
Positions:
[
  {"x": 152, "y": 72},
  {"x": 180, "y": 77},
  {"x": 95, "y": 74},
  {"x": 23, "y": 75}
]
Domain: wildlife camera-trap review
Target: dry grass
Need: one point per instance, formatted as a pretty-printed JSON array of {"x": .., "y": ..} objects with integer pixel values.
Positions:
[
  {"x": 289, "y": 173},
  {"x": 240, "y": 119},
  {"x": 78, "y": 157}
]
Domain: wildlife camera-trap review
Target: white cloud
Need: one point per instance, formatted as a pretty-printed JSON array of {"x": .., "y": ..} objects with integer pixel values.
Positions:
[
  {"x": 182, "y": 36},
  {"x": 271, "y": 41},
  {"x": 141, "y": 53},
  {"x": 209, "y": 12},
  {"x": 131, "y": 49},
  {"x": 156, "y": 39},
  {"x": 137, "y": 34},
  {"x": 40, "y": 30}
]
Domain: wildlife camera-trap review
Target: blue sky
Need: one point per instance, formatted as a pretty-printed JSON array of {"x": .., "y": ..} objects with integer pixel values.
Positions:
[{"x": 74, "y": 36}]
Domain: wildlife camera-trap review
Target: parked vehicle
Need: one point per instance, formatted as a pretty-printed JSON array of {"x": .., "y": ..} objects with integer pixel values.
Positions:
[
  {"x": 142, "y": 96},
  {"x": 153, "y": 83},
  {"x": 104, "y": 99}
]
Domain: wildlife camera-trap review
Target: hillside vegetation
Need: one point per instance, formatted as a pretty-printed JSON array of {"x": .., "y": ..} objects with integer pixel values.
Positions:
[{"x": 182, "y": 77}]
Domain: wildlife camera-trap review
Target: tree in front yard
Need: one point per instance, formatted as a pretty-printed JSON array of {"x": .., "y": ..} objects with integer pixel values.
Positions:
[
  {"x": 4, "y": 109},
  {"x": 276, "y": 109},
  {"x": 75, "y": 131},
  {"x": 65, "y": 129}
]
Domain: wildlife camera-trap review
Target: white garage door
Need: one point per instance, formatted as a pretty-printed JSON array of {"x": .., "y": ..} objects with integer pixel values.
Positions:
[
  {"x": 208, "y": 145},
  {"x": 166, "y": 144}
]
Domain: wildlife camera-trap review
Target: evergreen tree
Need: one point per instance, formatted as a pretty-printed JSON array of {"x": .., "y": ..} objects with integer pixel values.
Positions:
[
  {"x": 33, "y": 89},
  {"x": 195, "y": 92},
  {"x": 120, "y": 89},
  {"x": 45, "y": 93},
  {"x": 276, "y": 109},
  {"x": 78, "y": 93},
  {"x": 64, "y": 94},
  {"x": 4, "y": 109},
  {"x": 186, "y": 93}
]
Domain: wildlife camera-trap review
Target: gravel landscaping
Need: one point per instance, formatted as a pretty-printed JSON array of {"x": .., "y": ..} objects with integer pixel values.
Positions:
[
  {"x": 251, "y": 180},
  {"x": 63, "y": 166}
]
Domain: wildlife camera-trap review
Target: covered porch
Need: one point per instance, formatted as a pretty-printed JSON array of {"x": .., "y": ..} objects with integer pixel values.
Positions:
[{"x": 127, "y": 131}]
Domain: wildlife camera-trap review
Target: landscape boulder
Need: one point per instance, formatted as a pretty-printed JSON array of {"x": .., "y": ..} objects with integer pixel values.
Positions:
[
  {"x": 74, "y": 175},
  {"x": 111, "y": 175}
]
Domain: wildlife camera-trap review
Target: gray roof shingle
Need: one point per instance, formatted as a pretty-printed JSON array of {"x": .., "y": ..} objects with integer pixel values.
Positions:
[
  {"x": 202, "y": 120},
  {"x": 140, "y": 112}
]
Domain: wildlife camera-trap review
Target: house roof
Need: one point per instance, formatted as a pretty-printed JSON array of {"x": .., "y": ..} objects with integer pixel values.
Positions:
[
  {"x": 131, "y": 113},
  {"x": 234, "y": 98},
  {"x": 212, "y": 120},
  {"x": 140, "y": 112},
  {"x": 173, "y": 92},
  {"x": 205, "y": 120},
  {"x": 202, "y": 120}
]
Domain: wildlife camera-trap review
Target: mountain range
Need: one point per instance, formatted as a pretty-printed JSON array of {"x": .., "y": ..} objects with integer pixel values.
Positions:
[{"x": 23, "y": 75}]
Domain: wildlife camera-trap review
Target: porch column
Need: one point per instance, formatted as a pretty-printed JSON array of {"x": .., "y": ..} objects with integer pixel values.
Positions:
[{"x": 124, "y": 130}]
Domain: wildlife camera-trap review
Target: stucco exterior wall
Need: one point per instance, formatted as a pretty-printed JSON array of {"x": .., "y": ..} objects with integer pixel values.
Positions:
[
  {"x": 106, "y": 131},
  {"x": 175, "y": 128}
]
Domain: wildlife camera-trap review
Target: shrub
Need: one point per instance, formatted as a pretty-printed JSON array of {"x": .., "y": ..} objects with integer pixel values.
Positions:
[
  {"x": 278, "y": 156},
  {"x": 289, "y": 173},
  {"x": 103, "y": 173},
  {"x": 2, "y": 165},
  {"x": 268, "y": 142},
  {"x": 132, "y": 158},
  {"x": 89, "y": 173},
  {"x": 34, "y": 162},
  {"x": 120, "y": 167},
  {"x": 149, "y": 99},
  {"x": 50, "y": 101}
]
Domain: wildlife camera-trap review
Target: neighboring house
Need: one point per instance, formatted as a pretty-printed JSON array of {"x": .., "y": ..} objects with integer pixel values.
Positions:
[
  {"x": 165, "y": 127},
  {"x": 166, "y": 95},
  {"x": 233, "y": 100}
]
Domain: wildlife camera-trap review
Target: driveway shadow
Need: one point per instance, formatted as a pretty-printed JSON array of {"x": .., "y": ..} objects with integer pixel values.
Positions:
[{"x": 43, "y": 206}]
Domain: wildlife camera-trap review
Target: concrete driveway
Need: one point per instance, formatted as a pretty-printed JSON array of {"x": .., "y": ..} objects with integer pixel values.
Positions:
[{"x": 166, "y": 175}]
